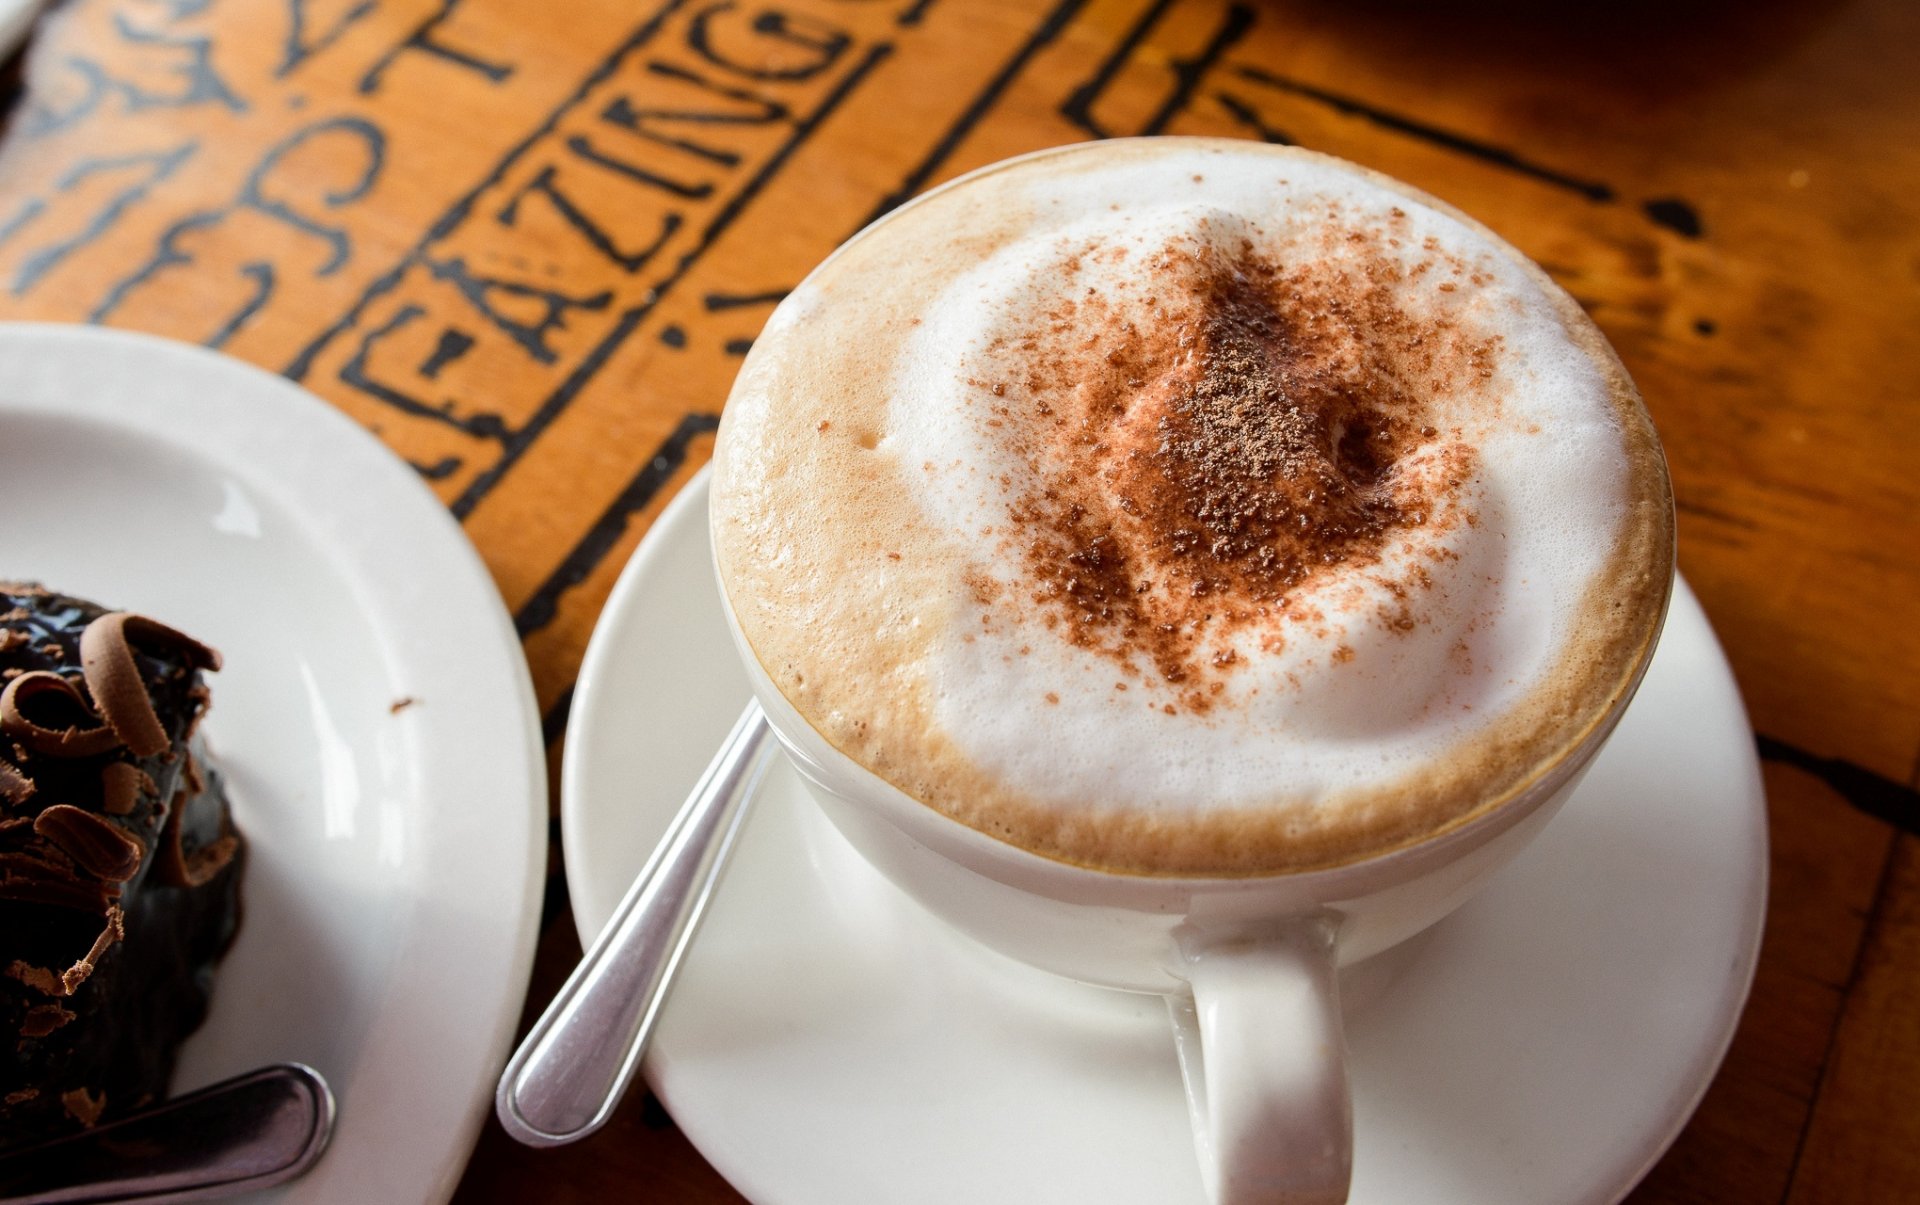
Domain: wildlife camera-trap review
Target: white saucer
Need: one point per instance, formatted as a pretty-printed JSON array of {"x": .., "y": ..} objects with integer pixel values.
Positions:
[
  {"x": 395, "y": 858},
  {"x": 831, "y": 1044}
]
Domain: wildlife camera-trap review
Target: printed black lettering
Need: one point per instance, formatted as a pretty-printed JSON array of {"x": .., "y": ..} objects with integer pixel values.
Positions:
[
  {"x": 423, "y": 39},
  {"x": 271, "y": 190},
  {"x": 260, "y": 274},
  {"x": 747, "y": 109},
  {"x": 772, "y": 46},
  {"x": 453, "y": 344},
  {"x": 546, "y": 185},
  {"x": 152, "y": 167},
  {"x": 553, "y": 306},
  {"x": 299, "y": 46},
  {"x": 1079, "y": 107},
  {"x": 356, "y": 374},
  {"x": 185, "y": 61}
]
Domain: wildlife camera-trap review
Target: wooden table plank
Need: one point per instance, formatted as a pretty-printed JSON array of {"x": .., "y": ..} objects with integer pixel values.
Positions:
[
  {"x": 1743, "y": 1142},
  {"x": 1863, "y": 1143}
]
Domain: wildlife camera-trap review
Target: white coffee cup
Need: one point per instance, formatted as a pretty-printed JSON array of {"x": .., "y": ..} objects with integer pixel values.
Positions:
[
  {"x": 1248, "y": 963},
  {"x": 1248, "y": 966}
]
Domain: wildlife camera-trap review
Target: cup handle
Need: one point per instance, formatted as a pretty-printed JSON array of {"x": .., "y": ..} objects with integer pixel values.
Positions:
[{"x": 1273, "y": 1123}]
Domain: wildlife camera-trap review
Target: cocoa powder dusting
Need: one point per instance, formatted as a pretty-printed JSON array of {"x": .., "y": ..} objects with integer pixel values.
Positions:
[{"x": 1195, "y": 469}]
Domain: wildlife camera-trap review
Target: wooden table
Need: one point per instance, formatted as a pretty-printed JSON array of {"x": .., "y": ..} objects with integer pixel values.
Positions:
[{"x": 528, "y": 244}]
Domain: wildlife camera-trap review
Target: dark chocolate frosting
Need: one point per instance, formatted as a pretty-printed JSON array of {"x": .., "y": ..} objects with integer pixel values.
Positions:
[{"x": 119, "y": 862}]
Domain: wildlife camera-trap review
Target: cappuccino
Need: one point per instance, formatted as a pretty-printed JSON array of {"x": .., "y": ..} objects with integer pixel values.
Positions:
[{"x": 1192, "y": 507}]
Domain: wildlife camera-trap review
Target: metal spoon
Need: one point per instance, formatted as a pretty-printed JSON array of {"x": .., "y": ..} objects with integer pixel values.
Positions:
[
  {"x": 241, "y": 1135},
  {"x": 576, "y": 1062}
]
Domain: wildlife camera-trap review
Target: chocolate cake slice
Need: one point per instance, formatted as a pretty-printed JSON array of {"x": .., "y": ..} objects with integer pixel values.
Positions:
[{"x": 119, "y": 862}]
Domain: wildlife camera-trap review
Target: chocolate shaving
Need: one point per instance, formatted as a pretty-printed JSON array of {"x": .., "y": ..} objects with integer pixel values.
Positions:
[
  {"x": 43, "y": 1019},
  {"x": 114, "y": 930},
  {"x": 200, "y": 696},
  {"x": 83, "y": 1106},
  {"x": 179, "y": 869},
  {"x": 95, "y": 843},
  {"x": 15, "y": 788},
  {"x": 60, "y": 893},
  {"x": 54, "y": 726},
  {"x": 40, "y": 979},
  {"x": 106, "y": 657},
  {"x": 68, "y": 981},
  {"x": 36, "y": 859},
  {"x": 176, "y": 867},
  {"x": 46, "y": 874},
  {"x": 122, "y": 785}
]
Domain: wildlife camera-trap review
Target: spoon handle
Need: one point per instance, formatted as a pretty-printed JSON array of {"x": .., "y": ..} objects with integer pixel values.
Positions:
[
  {"x": 241, "y": 1135},
  {"x": 575, "y": 1064}
]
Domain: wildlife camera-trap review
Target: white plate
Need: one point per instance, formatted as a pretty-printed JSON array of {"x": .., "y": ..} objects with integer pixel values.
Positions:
[
  {"x": 392, "y": 889},
  {"x": 832, "y": 1044}
]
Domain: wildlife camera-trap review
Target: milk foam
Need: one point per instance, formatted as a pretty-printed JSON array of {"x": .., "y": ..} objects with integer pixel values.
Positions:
[
  {"x": 1297, "y": 725},
  {"x": 1316, "y": 706}
]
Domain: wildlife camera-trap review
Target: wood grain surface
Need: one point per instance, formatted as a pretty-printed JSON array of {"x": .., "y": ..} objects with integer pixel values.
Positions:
[{"x": 527, "y": 244}]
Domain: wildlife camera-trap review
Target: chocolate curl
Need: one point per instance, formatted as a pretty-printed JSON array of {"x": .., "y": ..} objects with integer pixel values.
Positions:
[
  {"x": 15, "y": 788},
  {"x": 106, "y": 658},
  {"x": 47, "y": 875},
  {"x": 67, "y": 982},
  {"x": 122, "y": 785},
  {"x": 175, "y": 868},
  {"x": 48, "y": 694},
  {"x": 114, "y": 930},
  {"x": 96, "y": 844}
]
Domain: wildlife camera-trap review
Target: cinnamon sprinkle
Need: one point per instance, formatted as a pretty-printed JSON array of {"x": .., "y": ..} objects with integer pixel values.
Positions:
[{"x": 1201, "y": 455}]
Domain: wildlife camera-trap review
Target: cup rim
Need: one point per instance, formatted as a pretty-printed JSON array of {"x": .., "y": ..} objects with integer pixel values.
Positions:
[
  {"x": 1487, "y": 818},
  {"x": 809, "y": 748}
]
